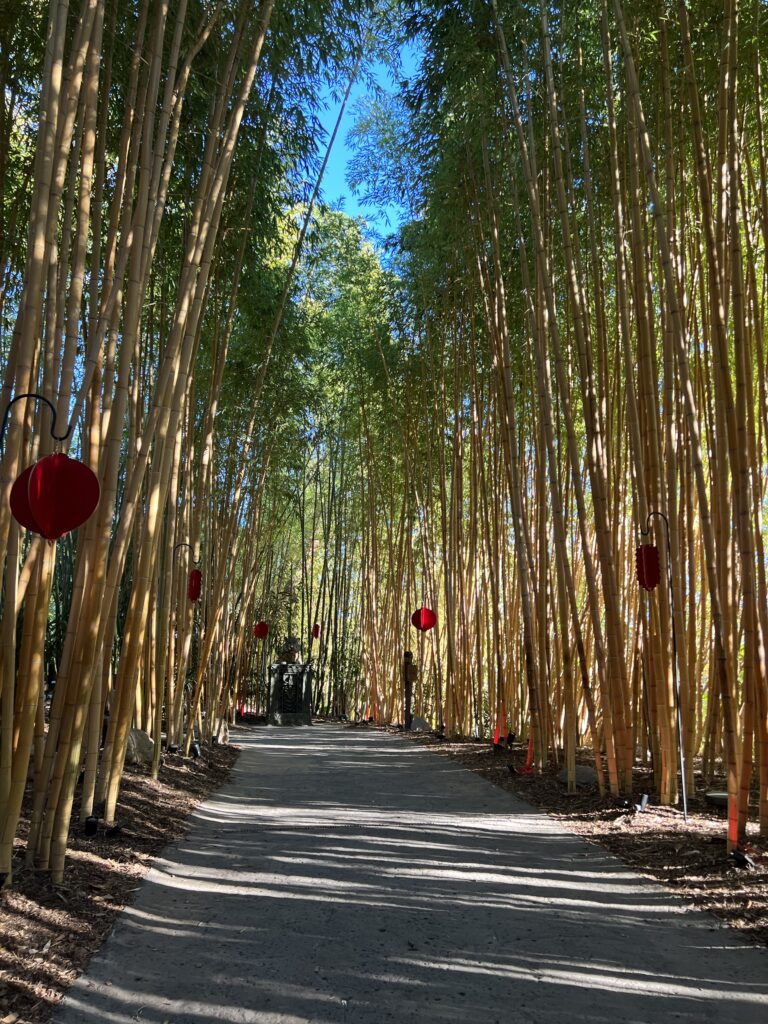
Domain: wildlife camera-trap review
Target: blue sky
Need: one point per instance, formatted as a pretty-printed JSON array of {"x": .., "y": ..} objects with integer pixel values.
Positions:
[{"x": 335, "y": 186}]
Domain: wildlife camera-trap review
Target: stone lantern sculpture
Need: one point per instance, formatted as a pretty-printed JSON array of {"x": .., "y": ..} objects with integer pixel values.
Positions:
[{"x": 290, "y": 687}]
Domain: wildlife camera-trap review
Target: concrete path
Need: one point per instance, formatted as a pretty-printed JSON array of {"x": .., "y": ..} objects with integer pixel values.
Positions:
[{"x": 347, "y": 877}]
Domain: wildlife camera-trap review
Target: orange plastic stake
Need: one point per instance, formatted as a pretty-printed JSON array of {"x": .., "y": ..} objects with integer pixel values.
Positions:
[
  {"x": 527, "y": 768},
  {"x": 733, "y": 821}
]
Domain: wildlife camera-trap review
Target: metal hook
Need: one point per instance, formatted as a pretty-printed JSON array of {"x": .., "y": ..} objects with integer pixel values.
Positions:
[
  {"x": 186, "y": 544},
  {"x": 40, "y": 398},
  {"x": 646, "y": 532}
]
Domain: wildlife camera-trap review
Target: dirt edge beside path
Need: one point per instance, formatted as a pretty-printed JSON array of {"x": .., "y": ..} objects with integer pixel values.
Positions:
[
  {"x": 49, "y": 933},
  {"x": 689, "y": 858}
]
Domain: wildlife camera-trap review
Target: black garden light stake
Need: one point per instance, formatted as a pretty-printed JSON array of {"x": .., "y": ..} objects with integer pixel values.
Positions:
[{"x": 648, "y": 576}]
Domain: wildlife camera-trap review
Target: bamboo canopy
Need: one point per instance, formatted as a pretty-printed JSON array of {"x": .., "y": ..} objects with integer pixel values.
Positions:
[{"x": 557, "y": 353}]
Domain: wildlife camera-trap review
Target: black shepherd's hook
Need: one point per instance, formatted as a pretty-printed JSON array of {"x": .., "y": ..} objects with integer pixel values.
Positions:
[
  {"x": 646, "y": 533},
  {"x": 186, "y": 544},
  {"x": 39, "y": 398}
]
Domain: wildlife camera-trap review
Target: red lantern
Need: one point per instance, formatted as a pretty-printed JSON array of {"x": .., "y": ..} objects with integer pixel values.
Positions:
[
  {"x": 648, "y": 566},
  {"x": 55, "y": 496},
  {"x": 261, "y": 630},
  {"x": 424, "y": 619},
  {"x": 194, "y": 585},
  {"x": 316, "y": 630},
  {"x": 19, "y": 501}
]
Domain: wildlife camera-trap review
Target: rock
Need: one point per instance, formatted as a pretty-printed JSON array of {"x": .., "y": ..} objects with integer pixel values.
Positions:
[
  {"x": 586, "y": 777},
  {"x": 221, "y": 731},
  {"x": 419, "y": 724},
  {"x": 716, "y": 797},
  {"x": 140, "y": 748}
]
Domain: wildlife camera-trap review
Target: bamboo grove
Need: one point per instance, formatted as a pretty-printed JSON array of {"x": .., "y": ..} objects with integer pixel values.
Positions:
[
  {"x": 586, "y": 282},
  {"x": 486, "y": 415},
  {"x": 154, "y": 159}
]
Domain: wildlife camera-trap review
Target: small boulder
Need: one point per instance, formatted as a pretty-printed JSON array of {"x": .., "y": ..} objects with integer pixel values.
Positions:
[
  {"x": 221, "y": 731},
  {"x": 140, "y": 748},
  {"x": 586, "y": 777},
  {"x": 419, "y": 724}
]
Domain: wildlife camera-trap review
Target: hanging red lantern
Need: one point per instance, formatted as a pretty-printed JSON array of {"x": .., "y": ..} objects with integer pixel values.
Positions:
[
  {"x": 19, "y": 501},
  {"x": 55, "y": 496},
  {"x": 424, "y": 619},
  {"x": 648, "y": 566},
  {"x": 194, "y": 585},
  {"x": 316, "y": 630},
  {"x": 261, "y": 630}
]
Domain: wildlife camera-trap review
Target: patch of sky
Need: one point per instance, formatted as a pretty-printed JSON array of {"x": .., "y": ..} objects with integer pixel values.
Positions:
[{"x": 384, "y": 75}]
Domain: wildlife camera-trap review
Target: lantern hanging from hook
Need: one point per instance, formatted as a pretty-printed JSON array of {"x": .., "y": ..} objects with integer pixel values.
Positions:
[
  {"x": 648, "y": 566},
  {"x": 194, "y": 585},
  {"x": 56, "y": 494},
  {"x": 424, "y": 619},
  {"x": 195, "y": 578},
  {"x": 261, "y": 630}
]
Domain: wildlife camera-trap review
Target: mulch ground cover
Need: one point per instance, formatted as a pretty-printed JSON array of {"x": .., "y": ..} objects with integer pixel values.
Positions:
[
  {"x": 48, "y": 933},
  {"x": 689, "y": 857}
]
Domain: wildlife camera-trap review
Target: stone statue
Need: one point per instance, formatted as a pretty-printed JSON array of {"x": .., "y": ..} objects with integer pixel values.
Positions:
[{"x": 290, "y": 687}]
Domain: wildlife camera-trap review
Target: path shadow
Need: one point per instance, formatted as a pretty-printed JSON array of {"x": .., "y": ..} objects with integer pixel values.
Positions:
[{"x": 345, "y": 876}]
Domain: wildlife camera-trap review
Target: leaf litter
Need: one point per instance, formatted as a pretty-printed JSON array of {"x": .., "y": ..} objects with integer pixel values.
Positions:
[{"x": 48, "y": 933}]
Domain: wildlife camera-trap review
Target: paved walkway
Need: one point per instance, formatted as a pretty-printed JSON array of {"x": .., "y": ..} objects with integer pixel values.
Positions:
[{"x": 345, "y": 876}]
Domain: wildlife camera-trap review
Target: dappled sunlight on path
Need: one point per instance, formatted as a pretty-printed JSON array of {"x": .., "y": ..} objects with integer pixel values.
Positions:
[{"x": 348, "y": 876}]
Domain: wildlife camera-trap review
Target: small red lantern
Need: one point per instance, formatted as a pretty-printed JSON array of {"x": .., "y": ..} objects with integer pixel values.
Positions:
[
  {"x": 316, "y": 630},
  {"x": 55, "y": 496},
  {"x": 261, "y": 630},
  {"x": 648, "y": 566},
  {"x": 424, "y": 619},
  {"x": 194, "y": 585}
]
